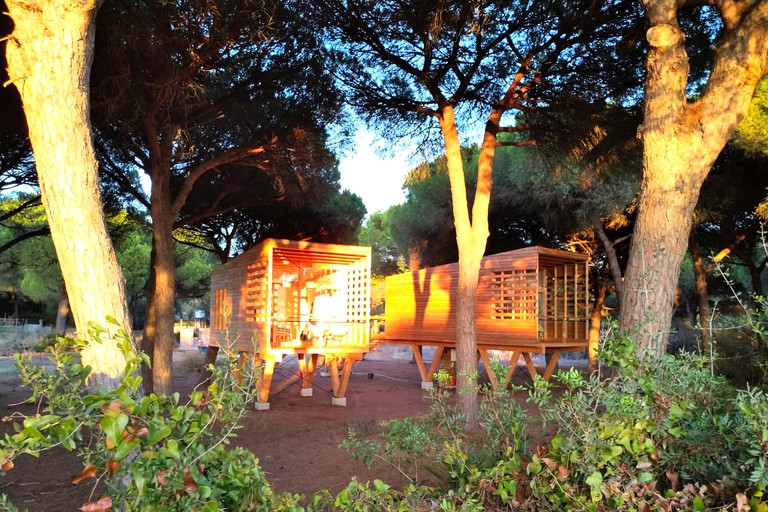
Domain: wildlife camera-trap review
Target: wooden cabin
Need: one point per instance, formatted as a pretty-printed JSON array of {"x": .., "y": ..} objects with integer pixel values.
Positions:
[
  {"x": 267, "y": 302},
  {"x": 528, "y": 301}
]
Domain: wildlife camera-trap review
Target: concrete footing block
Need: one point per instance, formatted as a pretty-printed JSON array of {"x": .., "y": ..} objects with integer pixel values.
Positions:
[
  {"x": 305, "y": 392},
  {"x": 427, "y": 384},
  {"x": 261, "y": 406},
  {"x": 341, "y": 402}
]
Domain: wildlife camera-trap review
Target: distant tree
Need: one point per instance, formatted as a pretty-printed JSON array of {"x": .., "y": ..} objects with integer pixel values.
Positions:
[
  {"x": 682, "y": 137},
  {"x": 387, "y": 259},
  {"x": 49, "y": 55},
  {"x": 752, "y": 133},
  {"x": 193, "y": 94}
]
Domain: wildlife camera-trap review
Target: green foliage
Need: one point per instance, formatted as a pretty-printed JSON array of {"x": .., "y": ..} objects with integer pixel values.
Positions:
[
  {"x": 752, "y": 132},
  {"x": 386, "y": 258},
  {"x": 620, "y": 443},
  {"x": 476, "y": 471},
  {"x": 151, "y": 452}
]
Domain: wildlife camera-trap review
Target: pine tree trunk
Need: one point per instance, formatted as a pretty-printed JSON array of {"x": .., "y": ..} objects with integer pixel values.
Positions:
[
  {"x": 595, "y": 320},
  {"x": 681, "y": 141},
  {"x": 471, "y": 238},
  {"x": 49, "y": 58},
  {"x": 158, "y": 333},
  {"x": 702, "y": 292},
  {"x": 62, "y": 311}
]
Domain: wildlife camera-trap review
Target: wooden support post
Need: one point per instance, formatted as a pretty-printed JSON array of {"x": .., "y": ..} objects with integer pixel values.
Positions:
[
  {"x": 529, "y": 364},
  {"x": 552, "y": 365},
  {"x": 264, "y": 383},
  {"x": 511, "y": 367},
  {"x": 488, "y": 368},
  {"x": 307, "y": 364}
]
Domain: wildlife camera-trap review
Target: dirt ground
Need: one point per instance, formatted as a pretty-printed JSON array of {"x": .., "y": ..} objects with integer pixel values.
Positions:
[{"x": 297, "y": 440}]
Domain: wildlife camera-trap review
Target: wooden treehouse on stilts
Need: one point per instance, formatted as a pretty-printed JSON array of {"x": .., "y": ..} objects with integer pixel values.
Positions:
[
  {"x": 286, "y": 297},
  {"x": 532, "y": 300}
]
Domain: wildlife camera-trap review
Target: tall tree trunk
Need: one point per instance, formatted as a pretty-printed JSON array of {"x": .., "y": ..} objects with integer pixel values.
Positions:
[
  {"x": 49, "y": 58},
  {"x": 158, "y": 332},
  {"x": 62, "y": 311},
  {"x": 471, "y": 237},
  {"x": 702, "y": 292},
  {"x": 681, "y": 140},
  {"x": 595, "y": 320}
]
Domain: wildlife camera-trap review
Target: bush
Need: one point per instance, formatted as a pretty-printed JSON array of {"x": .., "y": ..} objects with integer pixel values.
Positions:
[
  {"x": 473, "y": 470},
  {"x": 640, "y": 440},
  {"x": 151, "y": 452}
]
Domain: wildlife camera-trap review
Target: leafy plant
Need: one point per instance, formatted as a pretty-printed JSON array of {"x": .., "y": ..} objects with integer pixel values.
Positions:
[
  {"x": 150, "y": 452},
  {"x": 636, "y": 440}
]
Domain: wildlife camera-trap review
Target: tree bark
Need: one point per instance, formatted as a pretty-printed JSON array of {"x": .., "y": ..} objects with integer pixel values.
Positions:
[
  {"x": 681, "y": 141},
  {"x": 702, "y": 292},
  {"x": 595, "y": 320},
  {"x": 62, "y": 312},
  {"x": 471, "y": 236},
  {"x": 49, "y": 57},
  {"x": 610, "y": 256},
  {"x": 158, "y": 333}
]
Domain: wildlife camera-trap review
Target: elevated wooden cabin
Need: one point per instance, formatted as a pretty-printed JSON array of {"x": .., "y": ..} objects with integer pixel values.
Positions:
[
  {"x": 262, "y": 302},
  {"x": 528, "y": 300}
]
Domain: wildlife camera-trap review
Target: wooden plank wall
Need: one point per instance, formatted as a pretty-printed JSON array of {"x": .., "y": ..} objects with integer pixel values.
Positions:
[
  {"x": 521, "y": 298},
  {"x": 236, "y": 302}
]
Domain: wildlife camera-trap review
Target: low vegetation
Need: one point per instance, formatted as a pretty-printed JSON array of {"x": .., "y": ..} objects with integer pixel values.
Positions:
[{"x": 662, "y": 434}]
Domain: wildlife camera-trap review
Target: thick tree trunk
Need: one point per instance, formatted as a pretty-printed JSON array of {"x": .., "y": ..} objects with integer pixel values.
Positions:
[
  {"x": 62, "y": 311},
  {"x": 471, "y": 236},
  {"x": 49, "y": 57},
  {"x": 702, "y": 292},
  {"x": 680, "y": 142},
  {"x": 158, "y": 333}
]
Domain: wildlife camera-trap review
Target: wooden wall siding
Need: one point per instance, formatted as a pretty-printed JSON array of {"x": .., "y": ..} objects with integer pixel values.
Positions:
[
  {"x": 524, "y": 296},
  {"x": 269, "y": 290}
]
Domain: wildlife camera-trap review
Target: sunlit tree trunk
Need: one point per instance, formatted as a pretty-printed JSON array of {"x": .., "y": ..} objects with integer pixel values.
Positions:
[
  {"x": 595, "y": 320},
  {"x": 681, "y": 140},
  {"x": 158, "y": 332},
  {"x": 49, "y": 57},
  {"x": 471, "y": 237}
]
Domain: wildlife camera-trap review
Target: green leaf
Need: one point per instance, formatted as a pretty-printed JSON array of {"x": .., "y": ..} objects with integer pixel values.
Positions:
[
  {"x": 645, "y": 477},
  {"x": 595, "y": 482},
  {"x": 698, "y": 504},
  {"x": 157, "y": 432},
  {"x": 113, "y": 427},
  {"x": 171, "y": 449},
  {"x": 125, "y": 447}
]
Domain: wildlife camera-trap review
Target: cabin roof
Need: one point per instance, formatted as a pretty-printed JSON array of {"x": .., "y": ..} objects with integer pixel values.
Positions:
[{"x": 303, "y": 253}]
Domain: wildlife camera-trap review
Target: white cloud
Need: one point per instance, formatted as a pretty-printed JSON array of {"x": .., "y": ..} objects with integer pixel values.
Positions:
[{"x": 378, "y": 181}]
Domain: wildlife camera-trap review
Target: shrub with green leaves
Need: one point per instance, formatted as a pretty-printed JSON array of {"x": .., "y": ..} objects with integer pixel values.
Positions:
[
  {"x": 634, "y": 441},
  {"x": 151, "y": 452},
  {"x": 474, "y": 471}
]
